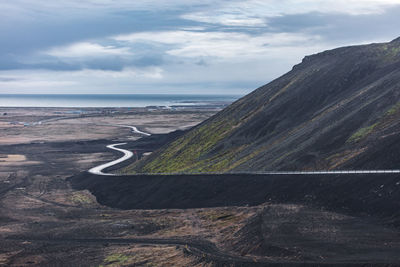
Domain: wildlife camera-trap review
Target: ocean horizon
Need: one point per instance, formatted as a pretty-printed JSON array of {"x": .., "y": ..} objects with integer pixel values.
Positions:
[{"x": 112, "y": 100}]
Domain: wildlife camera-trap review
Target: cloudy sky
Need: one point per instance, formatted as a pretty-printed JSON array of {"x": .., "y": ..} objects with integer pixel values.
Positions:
[{"x": 175, "y": 46}]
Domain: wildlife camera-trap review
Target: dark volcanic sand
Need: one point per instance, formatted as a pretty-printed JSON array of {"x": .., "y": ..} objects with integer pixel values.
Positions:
[{"x": 295, "y": 221}]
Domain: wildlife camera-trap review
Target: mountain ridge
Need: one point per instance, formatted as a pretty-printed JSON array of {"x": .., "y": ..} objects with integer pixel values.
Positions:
[{"x": 334, "y": 110}]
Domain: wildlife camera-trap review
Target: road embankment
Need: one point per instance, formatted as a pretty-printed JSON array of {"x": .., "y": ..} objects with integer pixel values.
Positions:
[{"x": 364, "y": 194}]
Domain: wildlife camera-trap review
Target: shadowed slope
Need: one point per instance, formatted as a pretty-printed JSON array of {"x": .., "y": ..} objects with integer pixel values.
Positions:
[{"x": 338, "y": 109}]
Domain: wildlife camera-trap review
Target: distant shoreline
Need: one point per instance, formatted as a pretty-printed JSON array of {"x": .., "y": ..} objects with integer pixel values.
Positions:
[{"x": 114, "y": 100}]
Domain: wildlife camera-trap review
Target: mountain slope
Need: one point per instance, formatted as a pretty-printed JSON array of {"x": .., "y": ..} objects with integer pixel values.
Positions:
[{"x": 339, "y": 109}]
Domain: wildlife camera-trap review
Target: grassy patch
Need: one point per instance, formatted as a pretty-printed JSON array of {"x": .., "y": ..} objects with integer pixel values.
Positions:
[
  {"x": 81, "y": 198},
  {"x": 393, "y": 51},
  {"x": 116, "y": 259},
  {"x": 361, "y": 133},
  {"x": 393, "y": 109},
  {"x": 390, "y": 52}
]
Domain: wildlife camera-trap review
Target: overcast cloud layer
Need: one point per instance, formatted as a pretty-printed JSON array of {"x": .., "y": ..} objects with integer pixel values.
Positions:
[{"x": 175, "y": 46}]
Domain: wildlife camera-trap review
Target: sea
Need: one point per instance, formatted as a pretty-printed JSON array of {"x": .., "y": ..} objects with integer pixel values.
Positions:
[{"x": 113, "y": 100}]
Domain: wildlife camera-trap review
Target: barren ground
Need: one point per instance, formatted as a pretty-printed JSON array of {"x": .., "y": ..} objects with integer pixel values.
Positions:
[{"x": 45, "y": 222}]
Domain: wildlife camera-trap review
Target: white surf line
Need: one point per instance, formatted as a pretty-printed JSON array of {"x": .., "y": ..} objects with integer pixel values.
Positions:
[{"x": 99, "y": 169}]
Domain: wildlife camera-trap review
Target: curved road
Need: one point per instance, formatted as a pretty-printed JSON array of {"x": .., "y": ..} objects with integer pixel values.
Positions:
[
  {"x": 134, "y": 129},
  {"x": 99, "y": 169}
]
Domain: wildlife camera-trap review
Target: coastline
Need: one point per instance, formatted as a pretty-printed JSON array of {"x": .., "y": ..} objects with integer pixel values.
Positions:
[{"x": 115, "y": 100}]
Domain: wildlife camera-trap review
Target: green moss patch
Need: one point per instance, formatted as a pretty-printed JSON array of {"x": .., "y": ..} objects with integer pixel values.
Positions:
[
  {"x": 393, "y": 110},
  {"x": 81, "y": 198},
  {"x": 116, "y": 259},
  {"x": 361, "y": 133},
  {"x": 186, "y": 154}
]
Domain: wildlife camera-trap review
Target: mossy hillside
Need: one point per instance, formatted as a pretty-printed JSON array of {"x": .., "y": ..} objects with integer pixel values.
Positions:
[
  {"x": 226, "y": 161},
  {"x": 221, "y": 162},
  {"x": 301, "y": 119},
  {"x": 382, "y": 123},
  {"x": 390, "y": 51},
  {"x": 192, "y": 152},
  {"x": 212, "y": 155},
  {"x": 186, "y": 153}
]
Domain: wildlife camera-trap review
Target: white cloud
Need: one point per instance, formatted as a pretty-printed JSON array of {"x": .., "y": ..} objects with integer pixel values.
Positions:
[
  {"x": 226, "y": 18},
  {"x": 86, "y": 80},
  {"x": 271, "y": 6},
  {"x": 220, "y": 44},
  {"x": 193, "y": 28},
  {"x": 191, "y": 55},
  {"x": 257, "y": 12},
  {"x": 147, "y": 73},
  {"x": 86, "y": 49},
  {"x": 224, "y": 12},
  {"x": 34, "y": 84},
  {"x": 28, "y": 9}
]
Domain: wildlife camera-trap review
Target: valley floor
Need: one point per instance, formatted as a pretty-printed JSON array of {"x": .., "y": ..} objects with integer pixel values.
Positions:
[{"x": 52, "y": 212}]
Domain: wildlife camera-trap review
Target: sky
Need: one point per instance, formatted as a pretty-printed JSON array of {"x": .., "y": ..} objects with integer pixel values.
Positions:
[{"x": 175, "y": 46}]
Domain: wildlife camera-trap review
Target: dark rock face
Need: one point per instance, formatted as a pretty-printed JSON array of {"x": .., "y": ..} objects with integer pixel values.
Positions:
[{"x": 339, "y": 109}]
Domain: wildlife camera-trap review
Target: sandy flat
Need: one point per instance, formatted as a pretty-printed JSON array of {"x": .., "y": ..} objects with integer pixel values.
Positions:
[{"x": 22, "y": 125}]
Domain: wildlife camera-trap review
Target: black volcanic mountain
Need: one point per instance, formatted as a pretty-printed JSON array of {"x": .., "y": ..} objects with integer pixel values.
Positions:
[{"x": 339, "y": 109}]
